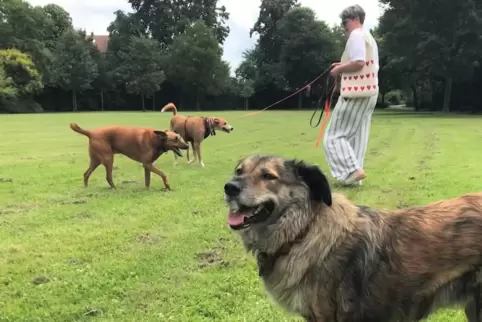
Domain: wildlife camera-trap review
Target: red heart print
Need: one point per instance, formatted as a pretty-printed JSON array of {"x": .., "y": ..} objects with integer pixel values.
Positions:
[
  {"x": 374, "y": 86},
  {"x": 343, "y": 89},
  {"x": 349, "y": 78},
  {"x": 355, "y": 77},
  {"x": 367, "y": 75},
  {"x": 369, "y": 86},
  {"x": 344, "y": 77},
  {"x": 349, "y": 88},
  {"x": 355, "y": 88},
  {"x": 371, "y": 61},
  {"x": 361, "y": 76},
  {"x": 362, "y": 88},
  {"x": 367, "y": 63},
  {"x": 373, "y": 74}
]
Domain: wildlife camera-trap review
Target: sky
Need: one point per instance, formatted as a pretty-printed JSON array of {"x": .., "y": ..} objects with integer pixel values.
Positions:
[{"x": 95, "y": 16}]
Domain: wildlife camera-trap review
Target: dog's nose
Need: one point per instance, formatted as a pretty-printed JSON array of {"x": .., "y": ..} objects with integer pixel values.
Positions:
[
  {"x": 232, "y": 128},
  {"x": 232, "y": 188}
]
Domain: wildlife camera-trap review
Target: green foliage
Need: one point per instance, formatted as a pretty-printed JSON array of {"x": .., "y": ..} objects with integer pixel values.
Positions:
[
  {"x": 142, "y": 67},
  {"x": 429, "y": 55},
  {"x": 394, "y": 97},
  {"x": 21, "y": 70},
  {"x": 168, "y": 19},
  {"x": 195, "y": 63},
  {"x": 307, "y": 46},
  {"x": 73, "y": 67},
  {"x": 7, "y": 86}
]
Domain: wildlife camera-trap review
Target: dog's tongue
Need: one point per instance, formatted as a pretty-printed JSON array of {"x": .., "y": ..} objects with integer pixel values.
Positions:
[{"x": 235, "y": 219}]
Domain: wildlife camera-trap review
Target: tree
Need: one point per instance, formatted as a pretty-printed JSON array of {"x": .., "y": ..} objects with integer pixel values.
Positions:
[
  {"x": 307, "y": 47},
  {"x": 20, "y": 70},
  {"x": 73, "y": 67},
  {"x": 167, "y": 19},
  {"x": 445, "y": 46},
  {"x": 195, "y": 63},
  {"x": 269, "y": 42},
  {"x": 246, "y": 90},
  {"x": 142, "y": 67},
  {"x": 7, "y": 86}
]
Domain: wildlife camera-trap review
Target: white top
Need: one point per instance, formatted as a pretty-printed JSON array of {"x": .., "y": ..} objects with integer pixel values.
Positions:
[{"x": 356, "y": 47}]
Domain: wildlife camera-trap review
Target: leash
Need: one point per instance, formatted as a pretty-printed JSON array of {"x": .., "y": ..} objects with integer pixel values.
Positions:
[
  {"x": 329, "y": 91},
  {"x": 291, "y": 95}
]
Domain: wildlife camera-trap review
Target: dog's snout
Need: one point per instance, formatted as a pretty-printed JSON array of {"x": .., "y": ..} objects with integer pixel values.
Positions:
[{"x": 232, "y": 188}]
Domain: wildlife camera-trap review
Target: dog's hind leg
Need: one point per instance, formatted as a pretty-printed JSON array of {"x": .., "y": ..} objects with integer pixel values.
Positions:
[
  {"x": 152, "y": 168},
  {"x": 94, "y": 163},
  {"x": 193, "y": 146},
  {"x": 147, "y": 177},
  {"x": 109, "y": 164}
]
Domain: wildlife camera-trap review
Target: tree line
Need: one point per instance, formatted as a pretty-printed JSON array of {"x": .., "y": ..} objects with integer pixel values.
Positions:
[{"x": 167, "y": 50}]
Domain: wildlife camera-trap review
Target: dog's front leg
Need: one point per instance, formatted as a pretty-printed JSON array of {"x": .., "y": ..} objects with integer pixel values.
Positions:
[{"x": 152, "y": 168}]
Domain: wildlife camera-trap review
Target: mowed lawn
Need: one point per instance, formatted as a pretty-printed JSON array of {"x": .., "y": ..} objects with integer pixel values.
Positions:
[{"x": 69, "y": 253}]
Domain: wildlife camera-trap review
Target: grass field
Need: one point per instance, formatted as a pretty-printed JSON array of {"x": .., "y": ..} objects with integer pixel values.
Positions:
[{"x": 69, "y": 253}]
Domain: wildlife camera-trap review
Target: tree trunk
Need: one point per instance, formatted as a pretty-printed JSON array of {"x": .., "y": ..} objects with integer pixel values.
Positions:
[
  {"x": 102, "y": 100},
  {"x": 198, "y": 105},
  {"x": 447, "y": 94},
  {"x": 246, "y": 103},
  {"x": 300, "y": 100},
  {"x": 154, "y": 101},
  {"x": 74, "y": 101},
  {"x": 416, "y": 104},
  {"x": 383, "y": 99},
  {"x": 143, "y": 103}
]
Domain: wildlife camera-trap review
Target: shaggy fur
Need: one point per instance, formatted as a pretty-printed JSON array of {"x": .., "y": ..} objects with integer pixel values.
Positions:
[
  {"x": 327, "y": 259},
  {"x": 195, "y": 129},
  {"x": 143, "y": 145}
]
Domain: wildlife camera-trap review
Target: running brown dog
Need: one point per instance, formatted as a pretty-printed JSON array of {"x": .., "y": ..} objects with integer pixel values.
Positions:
[
  {"x": 327, "y": 259},
  {"x": 195, "y": 129},
  {"x": 143, "y": 145}
]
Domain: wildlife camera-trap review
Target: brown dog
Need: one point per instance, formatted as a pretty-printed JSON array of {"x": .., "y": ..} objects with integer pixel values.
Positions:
[
  {"x": 143, "y": 145},
  {"x": 195, "y": 129},
  {"x": 327, "y": 259}
]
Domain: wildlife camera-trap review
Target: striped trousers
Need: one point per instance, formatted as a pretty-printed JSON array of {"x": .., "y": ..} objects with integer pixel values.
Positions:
[{"x": 346, "y": 137}]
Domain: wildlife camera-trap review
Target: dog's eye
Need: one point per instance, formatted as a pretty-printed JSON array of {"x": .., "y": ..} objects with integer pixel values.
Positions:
[
  {"x": 268, "y": 176},
  {"x": 239, "y": 171}
]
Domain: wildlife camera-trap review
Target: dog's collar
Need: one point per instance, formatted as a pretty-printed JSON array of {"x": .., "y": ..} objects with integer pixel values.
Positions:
[{"x": 267, "y": 261}]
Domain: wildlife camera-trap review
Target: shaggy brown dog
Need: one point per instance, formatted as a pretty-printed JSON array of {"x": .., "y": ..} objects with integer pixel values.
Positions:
[
  {"x": 143, "y": 145},
  {"x": 195, "y": 129},
  {"x": 327, "y": 259}
]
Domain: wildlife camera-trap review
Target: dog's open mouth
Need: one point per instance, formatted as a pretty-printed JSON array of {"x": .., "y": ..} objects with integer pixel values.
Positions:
[
  {"x": 177, "y": 151},
  {"x": 244, "y": 216}
]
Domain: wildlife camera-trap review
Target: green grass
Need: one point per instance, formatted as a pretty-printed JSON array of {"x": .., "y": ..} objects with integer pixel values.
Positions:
[{"x": 69, "y": 253}]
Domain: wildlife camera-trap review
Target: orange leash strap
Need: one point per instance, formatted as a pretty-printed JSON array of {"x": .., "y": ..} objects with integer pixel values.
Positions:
[{"x": 327, "y": 114}]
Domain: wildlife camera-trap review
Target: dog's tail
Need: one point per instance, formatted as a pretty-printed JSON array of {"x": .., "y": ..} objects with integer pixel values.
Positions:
[
  {"x": 80, "y": 130},
  {"x": 170, "y": 107}
]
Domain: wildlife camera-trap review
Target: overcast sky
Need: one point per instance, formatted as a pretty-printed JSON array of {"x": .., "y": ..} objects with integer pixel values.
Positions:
[{"x": 95, "y": 16}]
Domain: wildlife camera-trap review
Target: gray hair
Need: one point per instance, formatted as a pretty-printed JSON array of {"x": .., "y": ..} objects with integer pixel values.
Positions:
[{"x": 353, "y": 12}]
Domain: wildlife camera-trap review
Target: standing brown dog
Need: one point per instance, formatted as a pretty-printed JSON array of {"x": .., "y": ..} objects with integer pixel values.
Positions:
[
  {"x": 195, "y": 129},
  {"x": 329, "y": 260},
  {"x": 143, "y": 145}
]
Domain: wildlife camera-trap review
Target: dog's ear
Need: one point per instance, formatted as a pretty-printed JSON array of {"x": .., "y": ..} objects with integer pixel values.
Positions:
[
  {"x": 161, "y": 134},
  {"x": 315, "y": 180}
]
